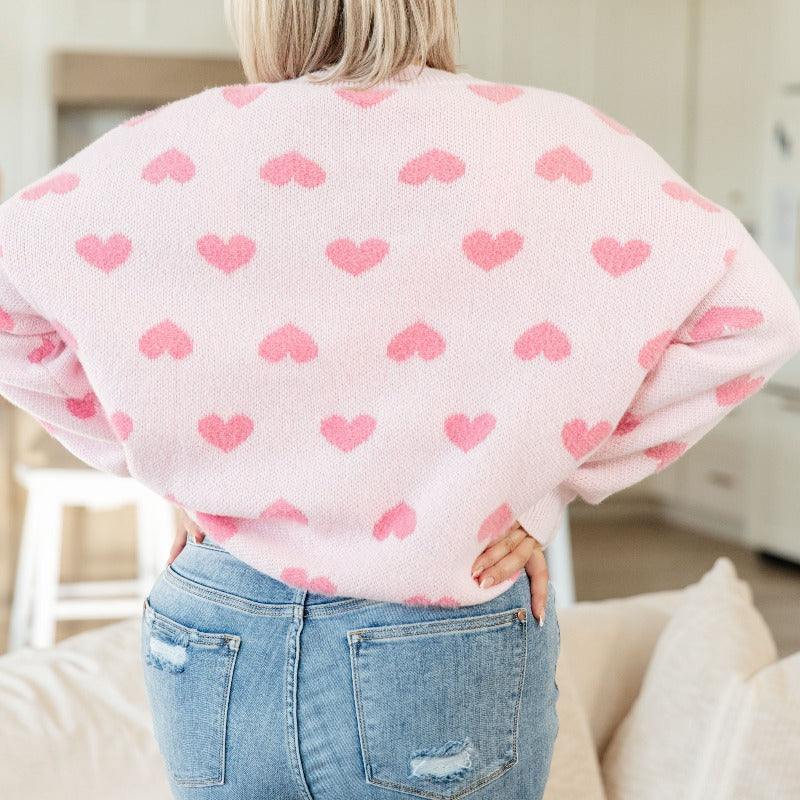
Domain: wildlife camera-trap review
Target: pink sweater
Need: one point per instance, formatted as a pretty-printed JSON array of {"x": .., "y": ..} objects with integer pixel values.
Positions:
[{"x": 356, "y": 334}]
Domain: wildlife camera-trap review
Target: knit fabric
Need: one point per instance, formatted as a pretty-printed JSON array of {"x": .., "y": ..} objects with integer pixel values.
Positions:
[{"x": 356, "y": 334}]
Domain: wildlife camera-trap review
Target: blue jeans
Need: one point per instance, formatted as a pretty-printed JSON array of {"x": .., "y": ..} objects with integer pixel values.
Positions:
[{"x": 261, "y": 690}]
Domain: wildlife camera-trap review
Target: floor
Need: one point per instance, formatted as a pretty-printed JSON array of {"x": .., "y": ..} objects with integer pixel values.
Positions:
[{"x": 614, "y": 558}]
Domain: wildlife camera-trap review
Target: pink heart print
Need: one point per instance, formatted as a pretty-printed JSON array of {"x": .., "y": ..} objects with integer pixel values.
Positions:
[
  {"x": 366, "y": 97},
  {"x": 652, "y": 351},
  {"x": 497, "y": 523},
  {"x": 283, "y": 509},
  {"x": 489, "y": 251},
  {"x": 293, "y": 166},
  {"x": 122, "y": 424},
  {"x": 686, "y": 193},
  {"x": 6, "y": 321},
  {"x": 83, "y": 407},
  {"x": 496, "y": 92},
  {"x": 228, "y": 435},
  {"x": 58, "y": 184},
  {"x": 220, "y": 527},
  {"x": 241, "y": 95},
  {"x": 165, "y": 337},
  {"x": 295, "y": 576},
  {"x": 665, "y": 453},
  {"x": 627, "y": 423},
  {"x": 580, "y": 439},
  {"x": 400, "y": 520},
  {"x": 288, "y": 340},
  {"x": 226, "y": 257},
  {"x": 563, "y": 163},
  {"x": 617, "y": 259},
  {"x": 66, "y": 335},
  {"x": 543, "y": 338},
  {"x": 418, "y": 338},
  {"x": 713, "y": 323},
  {"x": 437, "y": 164},
  {"x": 38, "y": 355},
  {"x": 356, "y": 259},
  {"x": 348, "y": 435},
  {"x": 736, "y": 390},
  {"x": 106, "y": 256},
  {"x": 466, "y": 433},
  {"x": 171, "y": 164},
  {"x": 422, "y": 600}
]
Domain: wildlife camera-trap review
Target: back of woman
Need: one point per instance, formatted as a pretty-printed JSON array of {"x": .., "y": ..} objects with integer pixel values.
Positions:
[{"x": 359, "y": 318}]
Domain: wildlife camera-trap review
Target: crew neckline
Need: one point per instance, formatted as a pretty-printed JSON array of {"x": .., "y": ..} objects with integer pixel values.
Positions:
[{"x": 399, "y": 79}]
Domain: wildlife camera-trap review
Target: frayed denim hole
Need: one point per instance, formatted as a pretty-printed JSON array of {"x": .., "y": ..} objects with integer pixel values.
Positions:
[
  {"x": 449, "y": 762},
  {"x": 166, "y": 655}
]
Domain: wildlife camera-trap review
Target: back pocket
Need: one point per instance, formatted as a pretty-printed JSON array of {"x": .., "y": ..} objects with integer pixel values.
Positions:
[
  {"x": 188, "y": 676},
  {"x": 438, "y": 702}
]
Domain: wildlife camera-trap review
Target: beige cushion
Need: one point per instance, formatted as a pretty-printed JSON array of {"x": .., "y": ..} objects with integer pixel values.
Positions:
[
  {"x": 75, "y": 723},
  {"x": 764, "y": 758},
  {"x": 575, "y": 769},
  {"x": 607, "y": 645},
  {"x": 695, "y": 710}
]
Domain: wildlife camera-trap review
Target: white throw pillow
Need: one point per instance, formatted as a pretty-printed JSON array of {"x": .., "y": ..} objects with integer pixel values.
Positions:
[{"x": 716, "y": 717}]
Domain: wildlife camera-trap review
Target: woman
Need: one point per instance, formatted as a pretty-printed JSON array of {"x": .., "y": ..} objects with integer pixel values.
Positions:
[{"x": 372, "y": 323}]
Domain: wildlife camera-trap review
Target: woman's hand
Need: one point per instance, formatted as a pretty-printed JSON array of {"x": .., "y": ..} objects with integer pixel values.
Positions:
[
  {"x": 506, "y": 555},
  {"x": 185, "y": 527}
]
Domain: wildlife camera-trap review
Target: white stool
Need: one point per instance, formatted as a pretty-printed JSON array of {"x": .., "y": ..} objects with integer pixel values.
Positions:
[
  {"x": 558, "y": 555},
  {"x": 40, "y": 600}
]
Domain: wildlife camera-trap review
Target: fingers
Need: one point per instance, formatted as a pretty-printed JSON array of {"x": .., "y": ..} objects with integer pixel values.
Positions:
[
  {"x": 539, "y": 576},
  {"x": 500, "y": 548},
  {"x": 518, "y": 548},
  {"x": 186, "y": 527},
  {"x": 178, "y": 543},
  {"x": 505, "y": 556}
]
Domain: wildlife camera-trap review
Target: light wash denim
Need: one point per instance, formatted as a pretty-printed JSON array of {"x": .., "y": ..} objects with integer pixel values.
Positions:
[{"x": 262, "y": 691}]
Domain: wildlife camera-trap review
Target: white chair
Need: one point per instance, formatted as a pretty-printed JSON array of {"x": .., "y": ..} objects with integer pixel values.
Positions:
[
  {"x": 558, "y": 555},
  {"x": 40, "y": 599}
]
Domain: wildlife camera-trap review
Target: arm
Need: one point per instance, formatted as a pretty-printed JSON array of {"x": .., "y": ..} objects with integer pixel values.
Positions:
[
  {"x": 40, "y": 374},
  {"x": 735, "y": 339}
]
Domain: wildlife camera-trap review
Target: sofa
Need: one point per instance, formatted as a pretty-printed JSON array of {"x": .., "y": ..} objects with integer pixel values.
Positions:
[{"x": 674, "y": 694}]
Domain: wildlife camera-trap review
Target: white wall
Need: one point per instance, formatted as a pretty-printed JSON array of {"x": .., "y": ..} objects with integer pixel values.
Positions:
[{"x": 691, "y": 77}]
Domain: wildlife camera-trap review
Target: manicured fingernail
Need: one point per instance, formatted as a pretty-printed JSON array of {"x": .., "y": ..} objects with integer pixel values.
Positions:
[
  {"x": 486, "y": 582},
  {"x": 477, "y": 572},
  {"x": 541, "y": 620}
]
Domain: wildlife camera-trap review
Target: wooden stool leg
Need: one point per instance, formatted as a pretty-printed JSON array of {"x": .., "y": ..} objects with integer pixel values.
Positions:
[
  {"x": 156, "y": 529},
  {"x": 50, "y": 519},
  {"x": 19, "y": 628}
]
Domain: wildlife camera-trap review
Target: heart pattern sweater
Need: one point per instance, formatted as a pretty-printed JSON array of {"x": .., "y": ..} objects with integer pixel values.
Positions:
[{"x": 356, "y": 334}]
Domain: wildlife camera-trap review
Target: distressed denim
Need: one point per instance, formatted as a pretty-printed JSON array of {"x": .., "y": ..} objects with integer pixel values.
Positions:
[{"x": 262, "y": 691}]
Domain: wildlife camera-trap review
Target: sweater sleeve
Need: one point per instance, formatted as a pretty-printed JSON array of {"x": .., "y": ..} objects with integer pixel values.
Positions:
[
  {"x": 40, "y": 374},
  {"x": 733, "y": 341}
]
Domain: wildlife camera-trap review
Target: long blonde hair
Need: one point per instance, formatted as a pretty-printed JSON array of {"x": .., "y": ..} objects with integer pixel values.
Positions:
[{"x": 357, "y": 41}]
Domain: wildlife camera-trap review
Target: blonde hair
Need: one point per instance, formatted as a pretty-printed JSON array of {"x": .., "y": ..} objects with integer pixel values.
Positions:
[{"x": 358, "y": 41}]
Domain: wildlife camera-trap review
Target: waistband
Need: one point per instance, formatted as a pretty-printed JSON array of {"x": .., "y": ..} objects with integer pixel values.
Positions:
[{"x": 208, "y": 569}]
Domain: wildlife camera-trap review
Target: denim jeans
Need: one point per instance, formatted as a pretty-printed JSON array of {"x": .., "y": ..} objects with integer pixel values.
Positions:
[{"x": 263, "y": 691}]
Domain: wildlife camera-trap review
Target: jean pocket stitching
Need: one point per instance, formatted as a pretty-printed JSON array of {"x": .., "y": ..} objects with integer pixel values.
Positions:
[
  {"x": 431, "y": 786},
  {"x": 168, "y": 647}
]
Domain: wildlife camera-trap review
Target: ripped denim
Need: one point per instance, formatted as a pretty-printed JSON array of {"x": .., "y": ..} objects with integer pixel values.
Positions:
[{"x": 259, "y": 689}]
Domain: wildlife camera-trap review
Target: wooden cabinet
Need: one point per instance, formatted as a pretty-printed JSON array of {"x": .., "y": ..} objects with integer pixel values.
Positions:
[
  {"x": 713, "y": 479},
  {"x": 773, "y": 517}
]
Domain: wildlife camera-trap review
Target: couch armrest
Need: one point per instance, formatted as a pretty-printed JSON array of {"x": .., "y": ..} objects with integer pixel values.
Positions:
[{"x": 607, "y": 645}]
